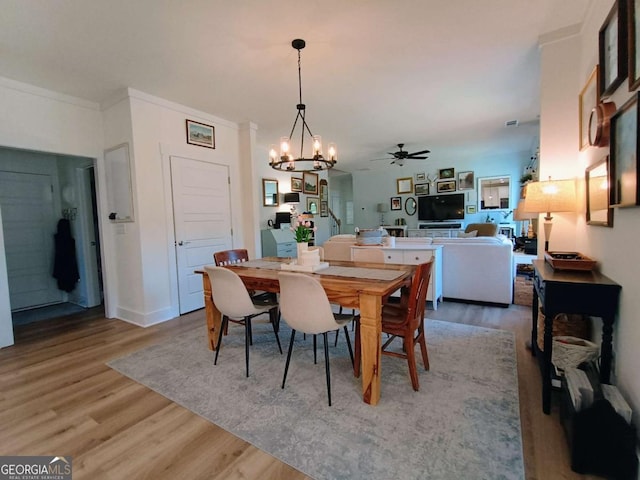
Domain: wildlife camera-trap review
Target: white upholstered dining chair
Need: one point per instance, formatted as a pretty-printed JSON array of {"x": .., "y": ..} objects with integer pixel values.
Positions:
[
  {"x": 232, "y": 299},
  {"x": 306, "y": 308}
]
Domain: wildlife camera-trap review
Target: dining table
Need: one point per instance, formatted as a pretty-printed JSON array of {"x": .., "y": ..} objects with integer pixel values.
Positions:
[{"x": 359, "y": 285}]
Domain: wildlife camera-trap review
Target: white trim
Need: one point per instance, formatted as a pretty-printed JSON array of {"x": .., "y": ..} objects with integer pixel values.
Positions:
[{"x": 43, "y": 92}]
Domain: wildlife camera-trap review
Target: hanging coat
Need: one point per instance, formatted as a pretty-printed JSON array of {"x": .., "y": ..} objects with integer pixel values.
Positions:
[{"x": 65, "y": 267}]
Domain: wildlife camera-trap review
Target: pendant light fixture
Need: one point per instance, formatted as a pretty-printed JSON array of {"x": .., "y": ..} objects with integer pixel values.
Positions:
[{"x": 283, "y": 158}]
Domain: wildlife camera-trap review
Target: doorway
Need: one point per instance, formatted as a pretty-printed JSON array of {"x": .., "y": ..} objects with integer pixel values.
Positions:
[{"x": 65, "y": 185}]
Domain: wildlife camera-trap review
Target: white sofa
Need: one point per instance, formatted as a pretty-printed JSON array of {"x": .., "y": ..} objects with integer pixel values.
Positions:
[{"x": 476, "y": 269}]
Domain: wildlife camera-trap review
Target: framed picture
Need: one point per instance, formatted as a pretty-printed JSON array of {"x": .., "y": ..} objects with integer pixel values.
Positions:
[
  {"x": 587, "y": 100},
  {"x": 634, "y": 44},
  {"x": 296, "y": 184},
  {"x": 324, "y": 191},
  {"x": 421, "y": 189},
  {"x": 324, "y": 208},
  {"x": 396, "y": 203},
  {"x": 466, "y": 181},
  {"x": 445, "y": 186},
  {"x": 471, "y": 209},
  {"x": 446, "y": 173},
  {"x": 310, "y": 183},
  {"x": 597, "y": 193},
  {"x": 421, "y": 177},
  {"x": 200, "y": 134},
  {"x": 313, "y": 205},
  {"x": 612, "y": 49},
  {"x": 623, "y": 160},
  {"x": 405, "y": 185}
]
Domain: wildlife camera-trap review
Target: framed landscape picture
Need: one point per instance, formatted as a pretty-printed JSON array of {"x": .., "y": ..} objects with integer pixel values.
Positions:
[
  {"x": 310, "y": 183},
  {"x": 446, "y": 173},
  {"x": 445, "y": 186},
  {"x": 421, "y": 189},
  {"x": 200, "y": 134},
  {"x": 296, "y": 184},
  {"x": 313, "y": 205}
]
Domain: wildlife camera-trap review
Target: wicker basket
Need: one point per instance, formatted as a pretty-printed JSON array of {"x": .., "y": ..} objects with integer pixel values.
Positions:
[
  {"x": 573, "y": 325},
  {"x": 569, "y": 352}
]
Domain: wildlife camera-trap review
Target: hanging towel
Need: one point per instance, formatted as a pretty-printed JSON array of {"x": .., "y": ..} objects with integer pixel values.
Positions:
[{"x": 65, "y": 267}]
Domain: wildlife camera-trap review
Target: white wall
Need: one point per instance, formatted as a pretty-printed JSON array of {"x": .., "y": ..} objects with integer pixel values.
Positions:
[{"x": 614, "y": 248}]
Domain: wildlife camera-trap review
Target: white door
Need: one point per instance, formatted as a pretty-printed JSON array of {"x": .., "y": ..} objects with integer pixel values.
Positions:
[
  {"x": 29, "y": 225},
  {"x": 202, "y": 222}
]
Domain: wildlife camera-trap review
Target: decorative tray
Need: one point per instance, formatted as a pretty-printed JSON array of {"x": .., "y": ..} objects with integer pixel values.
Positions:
[
  {"x": 294, "y": 267},
  {"x": 569, "y": 261}
]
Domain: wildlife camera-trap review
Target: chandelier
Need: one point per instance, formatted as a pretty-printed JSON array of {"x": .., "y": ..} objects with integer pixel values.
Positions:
[{"x": 285, "y": 159}]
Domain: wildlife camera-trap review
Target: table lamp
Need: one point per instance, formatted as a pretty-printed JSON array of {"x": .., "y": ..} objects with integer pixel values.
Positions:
[
  {"x": 550, "y": 196},
  {"x": 382, "y": 208},
  {"x": 520, "y": 215}
]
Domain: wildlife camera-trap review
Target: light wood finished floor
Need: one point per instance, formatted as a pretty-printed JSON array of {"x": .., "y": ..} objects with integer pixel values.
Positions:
[{"x": 59, "y": 398}]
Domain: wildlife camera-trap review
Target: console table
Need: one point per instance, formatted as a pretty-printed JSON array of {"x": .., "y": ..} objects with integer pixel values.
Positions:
[{"x": 563, "y": 291}]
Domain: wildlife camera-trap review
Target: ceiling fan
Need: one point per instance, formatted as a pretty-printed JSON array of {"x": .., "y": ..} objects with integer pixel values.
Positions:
[{"x": 401, "y": 155}]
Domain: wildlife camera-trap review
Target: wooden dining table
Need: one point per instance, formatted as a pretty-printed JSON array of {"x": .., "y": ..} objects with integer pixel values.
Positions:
[{"x": 361, "y": 291}]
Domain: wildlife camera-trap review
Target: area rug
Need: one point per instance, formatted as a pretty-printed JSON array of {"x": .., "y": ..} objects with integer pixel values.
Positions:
[
  {"x": 523, "y": 290},
  {"x": 463, "y": 423}
]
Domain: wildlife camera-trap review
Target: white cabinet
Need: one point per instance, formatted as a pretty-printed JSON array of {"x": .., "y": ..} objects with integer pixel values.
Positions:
[
  {"x": 278, "y": 243},
  {"x": 434, "y": 232},
  {"x": 414, "y": 255}
]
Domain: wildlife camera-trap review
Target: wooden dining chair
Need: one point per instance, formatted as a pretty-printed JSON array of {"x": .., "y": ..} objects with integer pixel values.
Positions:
[
  {"x": 405, "y": 320},
  {"x": 306, "y": 308},
  {"x": 230, "y": 257},
  {"x": 232, "y": 299}
]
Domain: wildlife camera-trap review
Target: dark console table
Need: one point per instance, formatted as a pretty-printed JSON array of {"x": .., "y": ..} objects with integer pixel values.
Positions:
[{"x": 581, "y": 292}]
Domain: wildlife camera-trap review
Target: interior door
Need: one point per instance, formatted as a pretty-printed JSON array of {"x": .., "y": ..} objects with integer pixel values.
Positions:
[
  {"x": 202, "y": 222},
  {"x": 29, "y": 225}
]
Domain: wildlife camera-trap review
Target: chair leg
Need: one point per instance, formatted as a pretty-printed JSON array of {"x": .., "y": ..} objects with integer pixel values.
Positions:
[
  {"x": 286, "y": 365},
  {"x": 247, "y": 341},
  {"x": 315, "y": 356},
  {"x": 346, "y": 334},
  {"x": 223, "y": 327},
  {"x": 335, "y": 344},
  {"x": 423, "y": 347},
  {"x": 358, "y": 352},
  {"x": 273, "y": 315},
  {"x": 326, "y": 365},
  {"x": 411, "y": 360}
]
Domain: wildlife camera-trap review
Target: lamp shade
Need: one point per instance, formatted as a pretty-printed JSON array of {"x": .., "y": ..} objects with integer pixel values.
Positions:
[
  {"x": 293, "y": 197},
  {"x": 520, "y": 214},
  {"x": 550, "y": 196},
  {"x": 382, "y": 208}
]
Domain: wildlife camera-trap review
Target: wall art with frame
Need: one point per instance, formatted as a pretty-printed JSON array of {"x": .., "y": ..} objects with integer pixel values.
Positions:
[
  {"x": 597, "y": 194},
  {"x": 312, "y": 205},
  {"x": 296, "y": 184},
  {"x": 404, "y": 185},
  {"x": 624, "y": 152},
  {"x": 446, "y": 186},
  {"x": 421, "y": 189},
  {"x": 471, "y": 209},
  {"x": 446, "y": 173},
  {"x": 324, "y": 208},
  {"x": 587, "y": 100},
  {"x": 466, "y": 181},
  {"x": 634, "y": 44},
  {"x": 396, "y": 203},
  {"x": 612, "y": 49},
  {"x": 200, "y": 134},
  {"x": 310, "y": 183}
]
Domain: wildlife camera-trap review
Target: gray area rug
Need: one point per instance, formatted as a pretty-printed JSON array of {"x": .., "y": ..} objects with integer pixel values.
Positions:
[{"x": 464, "y": 423}]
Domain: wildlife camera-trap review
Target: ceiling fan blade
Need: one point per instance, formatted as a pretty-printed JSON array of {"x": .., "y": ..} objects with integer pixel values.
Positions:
[
  {"x": 419, "y": 153},
  {"x": 416, "y": 158},
  {"x": 377, "y": 159}
]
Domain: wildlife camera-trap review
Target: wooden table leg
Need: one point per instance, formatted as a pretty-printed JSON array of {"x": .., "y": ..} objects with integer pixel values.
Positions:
[
  {"x": 214, "y": 319},
  {"x": 370, "y": 341}
]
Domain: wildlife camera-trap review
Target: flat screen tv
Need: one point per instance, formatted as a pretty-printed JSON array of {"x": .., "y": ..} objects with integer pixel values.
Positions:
[{"x": 437, "y": 208}]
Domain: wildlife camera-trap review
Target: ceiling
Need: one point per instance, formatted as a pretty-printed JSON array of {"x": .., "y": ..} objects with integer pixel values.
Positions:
[{"x": 439, "y": 74}]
